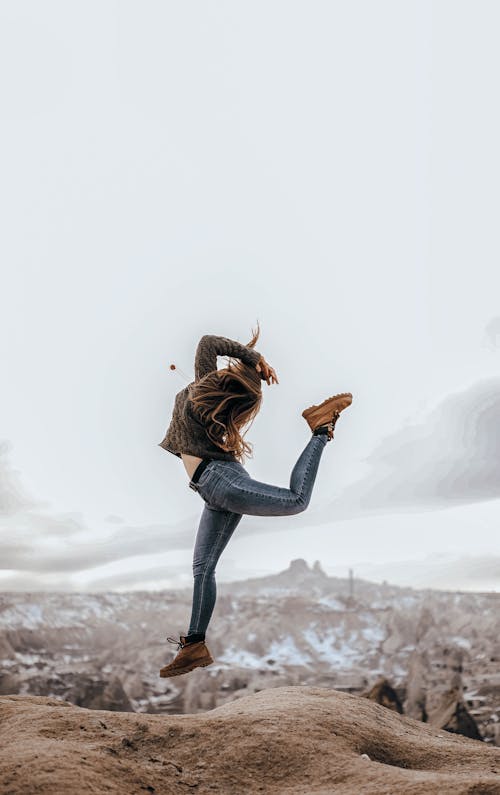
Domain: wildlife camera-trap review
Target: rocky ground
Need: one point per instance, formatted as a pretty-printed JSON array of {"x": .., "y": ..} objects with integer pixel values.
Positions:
[
  {"x": 287, "y": 740},
  {"x": 439, "y": 651}
]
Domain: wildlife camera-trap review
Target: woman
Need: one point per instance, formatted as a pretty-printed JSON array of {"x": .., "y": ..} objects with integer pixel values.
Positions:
[{"x": 206, "y": 432}]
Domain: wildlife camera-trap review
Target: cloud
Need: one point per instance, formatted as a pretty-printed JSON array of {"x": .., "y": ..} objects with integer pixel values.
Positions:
[
  {"x": 451, "y": 457},
  {"x": 156, "y": 578},
  {"x": 24, "y": 516},
  {"x": 35, "y": 553},
  {"x": 39, "y": 542},
  {"x": 471, "y": 573},
  {"x": 30, "y": 582},
  {"x": 72, "y": 555},
  {"x": 163, "y": 577},
  {"x": 13, "y": 498},
  {"x": 492, "y": 333}
]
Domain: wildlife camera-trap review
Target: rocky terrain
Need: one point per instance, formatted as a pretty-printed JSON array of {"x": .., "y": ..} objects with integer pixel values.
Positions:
[
  {"x": 285, "y": 741},
  {"x": 438, "y": 651}
]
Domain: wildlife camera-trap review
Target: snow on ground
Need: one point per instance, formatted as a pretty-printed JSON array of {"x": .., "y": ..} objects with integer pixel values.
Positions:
[
  {"x": 242, "y": 657},
  {"x": 62, "y": 610},
  {"x": 330, "y": 601},
  {"x": 373, "y": 634},
  {"x": 463, "y": 642},
  {"x": 282, "y": 650},
  {"x": 330, "y": 648},
  {"x": 28, "y": 616}
]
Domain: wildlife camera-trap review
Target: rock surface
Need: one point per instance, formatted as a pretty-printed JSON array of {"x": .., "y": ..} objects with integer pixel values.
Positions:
[{"x": 286, "y": 740}]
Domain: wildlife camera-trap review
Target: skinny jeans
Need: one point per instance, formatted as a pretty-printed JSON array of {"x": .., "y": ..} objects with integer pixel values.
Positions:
[{"x": 229, "y": 492}]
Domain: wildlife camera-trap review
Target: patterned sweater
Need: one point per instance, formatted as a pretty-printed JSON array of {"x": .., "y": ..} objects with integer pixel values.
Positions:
[{"x": 186, "y": 433}]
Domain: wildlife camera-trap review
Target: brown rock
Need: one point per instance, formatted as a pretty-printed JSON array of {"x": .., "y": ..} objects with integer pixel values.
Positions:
[
  {"x": 383, "y": 693},
  {"x": 285, "y": 741},
  {"x": 453, "y": 716},
  {"x": 100, "y": 694}
]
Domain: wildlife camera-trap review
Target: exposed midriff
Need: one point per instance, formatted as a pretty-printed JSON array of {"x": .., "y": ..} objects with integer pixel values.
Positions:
[{"x": 190, "y": 462}]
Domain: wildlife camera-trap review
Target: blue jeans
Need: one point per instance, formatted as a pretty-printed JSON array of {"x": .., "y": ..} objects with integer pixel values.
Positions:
[{"x": 229, "y": 492}]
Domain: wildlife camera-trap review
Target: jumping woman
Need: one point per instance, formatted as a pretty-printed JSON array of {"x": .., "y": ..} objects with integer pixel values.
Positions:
[{"x": 208, "y": 418}]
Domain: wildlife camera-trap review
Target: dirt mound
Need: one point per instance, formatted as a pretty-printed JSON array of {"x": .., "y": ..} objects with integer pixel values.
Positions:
[{"x": 283, "y": 740}]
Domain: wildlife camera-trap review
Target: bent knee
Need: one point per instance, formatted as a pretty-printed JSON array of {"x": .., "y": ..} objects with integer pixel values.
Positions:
[
  {"x": 203, "y": 569},
  {"x": 298, "y": 505}
]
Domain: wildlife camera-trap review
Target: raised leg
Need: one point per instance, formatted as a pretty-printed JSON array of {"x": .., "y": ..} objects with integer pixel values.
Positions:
[{"x": 239, "y": 493}]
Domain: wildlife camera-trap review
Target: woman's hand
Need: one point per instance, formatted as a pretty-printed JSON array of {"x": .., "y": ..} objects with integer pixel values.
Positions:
[{"x": 268, "y": 373}]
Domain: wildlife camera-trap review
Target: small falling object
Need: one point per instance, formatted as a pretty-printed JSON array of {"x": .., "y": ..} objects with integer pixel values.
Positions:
[
  {"x": 365, "y": 756},
  {"x": 179, "y": 372}
]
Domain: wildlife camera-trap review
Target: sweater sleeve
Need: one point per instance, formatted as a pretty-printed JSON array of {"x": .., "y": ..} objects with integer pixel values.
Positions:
[{"x": 211, "y": 346}]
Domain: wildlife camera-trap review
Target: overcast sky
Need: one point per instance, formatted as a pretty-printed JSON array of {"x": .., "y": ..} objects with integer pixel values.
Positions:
[{"x": 329, "y": 169}]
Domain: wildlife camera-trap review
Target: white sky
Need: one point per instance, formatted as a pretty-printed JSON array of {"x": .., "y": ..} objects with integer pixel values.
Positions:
[{"x": 168, "y": 170}]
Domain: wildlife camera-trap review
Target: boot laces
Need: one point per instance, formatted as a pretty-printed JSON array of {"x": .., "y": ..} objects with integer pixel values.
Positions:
[
  {"x": 179, "y": 643},
  {"x": 331, "y": 425}
]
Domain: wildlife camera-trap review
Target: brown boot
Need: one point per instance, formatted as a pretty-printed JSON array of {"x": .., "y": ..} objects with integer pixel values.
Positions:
[
  {"x": 327, "y": 413},
  {"x": 189, "y": 656}
]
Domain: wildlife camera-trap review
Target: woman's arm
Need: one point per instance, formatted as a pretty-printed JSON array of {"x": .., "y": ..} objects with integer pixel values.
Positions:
[{"x": 211, "y": 346}]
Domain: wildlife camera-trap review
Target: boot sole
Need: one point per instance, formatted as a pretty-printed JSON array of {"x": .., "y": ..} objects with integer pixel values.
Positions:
[{"x": 185, "y": 670}]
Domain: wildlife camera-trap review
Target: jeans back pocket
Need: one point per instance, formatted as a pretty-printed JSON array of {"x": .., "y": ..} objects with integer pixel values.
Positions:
[{"x": 208, "y": 481}]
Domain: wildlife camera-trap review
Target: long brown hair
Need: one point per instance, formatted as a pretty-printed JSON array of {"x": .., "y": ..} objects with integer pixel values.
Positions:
[{"x": 226, "y": 400}]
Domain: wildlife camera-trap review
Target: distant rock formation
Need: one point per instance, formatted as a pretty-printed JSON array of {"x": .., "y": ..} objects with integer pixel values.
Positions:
[
  {"x": 299, "y": 566},
  {"x": 416, "y": 690},
  {"x": 100, "y": 694},
  {"x": 317, "y": 569},
  {"x": 6, "y": 650},
  {"x": 383, "y": 693},
  {"x": 453, "y": 716},
  {"x": 9, "y": 683},
  {"x": 287, "y": 739}
]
